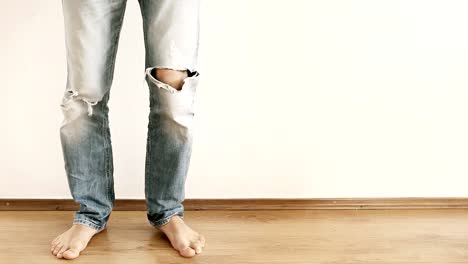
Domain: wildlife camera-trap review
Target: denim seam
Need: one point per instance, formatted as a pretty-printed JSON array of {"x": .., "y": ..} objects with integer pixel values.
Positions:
[
  {"x": 145, "y": 30},
  {"x": 148, "y": 147},
  {"x": 107, "y": 146},
  {"x": 103, "y": 134},
  {"x": 89, "y": 223},
  {"x": 148, "y": 144},
  {"x": 110, "y": 182},
  {"x": 148, "y": 140},
  {"x": 166, "y": 220}
]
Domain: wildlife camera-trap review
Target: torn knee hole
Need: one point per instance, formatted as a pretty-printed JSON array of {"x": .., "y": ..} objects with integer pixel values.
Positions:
[
  {"x": 171, "y": 79},
  {"x": 174, "y": 78},
  {"x": 73, "y": 96}
]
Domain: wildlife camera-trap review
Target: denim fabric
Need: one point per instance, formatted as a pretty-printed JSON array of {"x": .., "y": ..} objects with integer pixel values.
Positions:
[{"x": 171, "y": 37}]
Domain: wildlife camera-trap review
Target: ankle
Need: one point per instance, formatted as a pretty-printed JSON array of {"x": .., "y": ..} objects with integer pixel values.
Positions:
[
  {"x": 174, "y": 221},
  {"x": 82, "y": 228}
]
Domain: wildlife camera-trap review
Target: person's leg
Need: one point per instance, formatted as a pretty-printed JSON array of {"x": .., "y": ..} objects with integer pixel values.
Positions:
[
  {"x": 171, "y": 29},
  {"x": 92, "y": 30}
]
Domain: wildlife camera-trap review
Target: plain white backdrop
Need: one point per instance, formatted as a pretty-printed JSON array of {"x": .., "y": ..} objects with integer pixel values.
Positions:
[{"x": 296, "y": 98}]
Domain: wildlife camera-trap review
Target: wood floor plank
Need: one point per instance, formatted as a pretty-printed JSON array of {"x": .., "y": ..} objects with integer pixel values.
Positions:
[
  {"x": 254, "y": 204},
  {"x": 290, "y": 237}
]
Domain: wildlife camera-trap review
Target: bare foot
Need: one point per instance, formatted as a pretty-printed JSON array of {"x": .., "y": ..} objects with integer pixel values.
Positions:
[
  {"x": 69, "y": 244},
  {"x": 182, "y": 237}
]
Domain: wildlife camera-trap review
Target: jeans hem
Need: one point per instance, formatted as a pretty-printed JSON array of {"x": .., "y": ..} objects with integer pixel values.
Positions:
[
  {"x": 89, "y": 224},
  {"x": 166, "y": 220}
]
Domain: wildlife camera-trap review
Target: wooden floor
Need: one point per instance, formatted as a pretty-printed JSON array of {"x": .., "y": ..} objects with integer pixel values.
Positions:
[{"x": 293, "y": 236}]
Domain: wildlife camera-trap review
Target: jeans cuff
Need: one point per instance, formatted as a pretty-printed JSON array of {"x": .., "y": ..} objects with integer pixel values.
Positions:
[
  {"x": 165, "y": 220},
  {"x": 89, "y": 223}
]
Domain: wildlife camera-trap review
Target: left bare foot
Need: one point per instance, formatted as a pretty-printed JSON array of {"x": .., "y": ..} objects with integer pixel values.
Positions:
[
  {"x": 182, "y": 237},
  {"x": 69, "y": 244}
]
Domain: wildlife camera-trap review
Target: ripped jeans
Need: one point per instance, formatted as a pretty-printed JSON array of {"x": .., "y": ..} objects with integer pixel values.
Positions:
[{"x": 171, "y": 37}]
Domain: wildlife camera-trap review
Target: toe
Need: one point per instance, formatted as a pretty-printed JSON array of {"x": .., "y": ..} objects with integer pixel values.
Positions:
[
  {"x": 60, "y": 253},
  {"x": 197, "y": 246},
  {"x": 54, "y": 242},
  {"x": 187, "y": 252},
  {"x": 202, "y": 240},
  {"x": 71, "y": 254},
  {"x": 54, "y": 245},
  {"x": 198, "y": 249},
  {"x": 57, "y": 249}
]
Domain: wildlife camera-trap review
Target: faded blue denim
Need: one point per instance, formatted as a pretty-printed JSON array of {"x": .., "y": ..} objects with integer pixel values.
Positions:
[{"x": 171, "y": 36}]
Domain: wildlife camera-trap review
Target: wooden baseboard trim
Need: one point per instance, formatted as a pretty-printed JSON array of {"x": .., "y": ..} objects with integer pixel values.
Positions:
[{"x": 250, "y": 204}]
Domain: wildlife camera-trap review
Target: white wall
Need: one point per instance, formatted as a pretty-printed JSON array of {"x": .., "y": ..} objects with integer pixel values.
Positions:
[{"x": 297, "y": 99}]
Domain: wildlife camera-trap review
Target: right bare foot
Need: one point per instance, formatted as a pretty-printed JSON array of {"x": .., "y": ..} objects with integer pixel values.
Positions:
[
  {"x": 183, "y": 238},
  {"x": 69, "y": 244}
]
